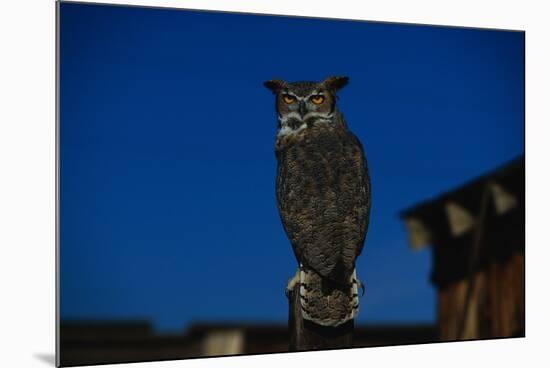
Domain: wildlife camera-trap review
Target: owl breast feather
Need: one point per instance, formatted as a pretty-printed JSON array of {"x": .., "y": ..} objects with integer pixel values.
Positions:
[{"x": 323, "y": 196}]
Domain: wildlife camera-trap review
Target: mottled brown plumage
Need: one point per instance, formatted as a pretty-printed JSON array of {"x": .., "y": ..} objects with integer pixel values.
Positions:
[{"x": 323, "y": 196}]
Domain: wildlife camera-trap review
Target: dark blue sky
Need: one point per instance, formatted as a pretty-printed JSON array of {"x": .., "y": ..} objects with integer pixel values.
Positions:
[{"x": 168, "y": 209}]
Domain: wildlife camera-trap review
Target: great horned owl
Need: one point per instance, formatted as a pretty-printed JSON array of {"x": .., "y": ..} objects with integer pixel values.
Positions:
[{"x": 323, "y": 196}]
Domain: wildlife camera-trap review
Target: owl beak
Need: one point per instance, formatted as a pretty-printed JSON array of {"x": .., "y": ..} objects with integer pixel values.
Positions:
[{"x": 302, "y": 109}]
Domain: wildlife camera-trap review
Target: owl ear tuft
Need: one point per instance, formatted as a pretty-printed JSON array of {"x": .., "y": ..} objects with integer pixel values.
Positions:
[
  {"x": 275, "y": 85},
  {"x": 335, "y": 83}
]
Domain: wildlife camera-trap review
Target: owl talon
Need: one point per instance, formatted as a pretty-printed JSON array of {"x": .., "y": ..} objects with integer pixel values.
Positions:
[{"x": 291, "y": 283}]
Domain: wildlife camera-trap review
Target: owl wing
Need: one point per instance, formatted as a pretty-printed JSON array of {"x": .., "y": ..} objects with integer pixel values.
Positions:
[
  {"x": 323, "y": 196},
  {"x": 363, "y": 180}
]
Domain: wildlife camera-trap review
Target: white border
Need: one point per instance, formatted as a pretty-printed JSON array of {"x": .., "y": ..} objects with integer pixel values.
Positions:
[
  {"x": 27, "y": 156},
  {"x": 422, "y": 11}
]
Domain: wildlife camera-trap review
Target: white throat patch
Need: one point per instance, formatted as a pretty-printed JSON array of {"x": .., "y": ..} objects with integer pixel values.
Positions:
[{"x": 286, "y": 129}]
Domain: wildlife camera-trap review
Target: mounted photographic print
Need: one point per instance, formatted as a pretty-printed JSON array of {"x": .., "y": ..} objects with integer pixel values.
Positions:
[{"x": 234, "y": 183}]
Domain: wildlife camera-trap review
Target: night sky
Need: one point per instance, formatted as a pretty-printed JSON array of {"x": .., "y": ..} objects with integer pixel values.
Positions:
[{"x": 168, "y": 208}]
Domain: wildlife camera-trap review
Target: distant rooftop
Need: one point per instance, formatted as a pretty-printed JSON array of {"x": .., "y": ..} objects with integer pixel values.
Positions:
[{"x": 98, "y": 342}]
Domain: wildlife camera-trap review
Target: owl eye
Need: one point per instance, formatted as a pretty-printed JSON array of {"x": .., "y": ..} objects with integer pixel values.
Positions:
[
  {"x": 317, "y": 99},
  {"x": 289, "y": 99}
]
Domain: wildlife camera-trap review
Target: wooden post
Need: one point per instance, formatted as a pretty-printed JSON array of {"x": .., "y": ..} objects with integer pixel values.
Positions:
[{"x": 306, "y": 335}]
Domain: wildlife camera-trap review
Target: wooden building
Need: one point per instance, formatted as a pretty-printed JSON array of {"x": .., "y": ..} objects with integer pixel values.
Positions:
[{"x": 477, "y": 238}]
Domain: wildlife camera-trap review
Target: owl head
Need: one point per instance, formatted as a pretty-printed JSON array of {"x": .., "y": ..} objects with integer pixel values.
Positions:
[{"x": 299, "y": 104}]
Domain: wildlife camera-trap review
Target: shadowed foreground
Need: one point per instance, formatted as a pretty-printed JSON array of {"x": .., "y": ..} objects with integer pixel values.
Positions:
[{"x": 85, "y": 343}]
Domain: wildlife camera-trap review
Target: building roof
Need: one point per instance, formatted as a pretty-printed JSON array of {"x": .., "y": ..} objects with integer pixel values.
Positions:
[
  {"x": 484, "y": 217},
  {"x": 99, "y": 342}
]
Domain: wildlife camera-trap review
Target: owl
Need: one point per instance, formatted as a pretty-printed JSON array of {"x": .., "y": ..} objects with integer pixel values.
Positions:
[{"x": 323, "y": 196}]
